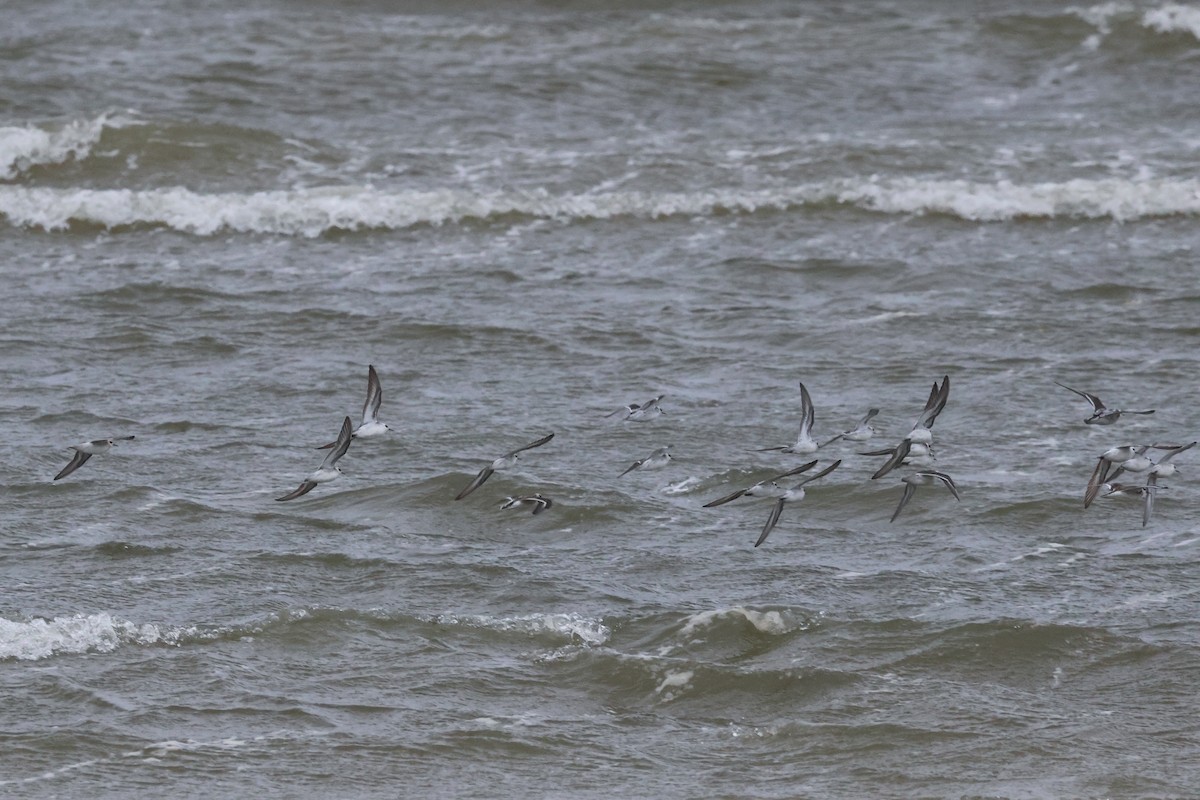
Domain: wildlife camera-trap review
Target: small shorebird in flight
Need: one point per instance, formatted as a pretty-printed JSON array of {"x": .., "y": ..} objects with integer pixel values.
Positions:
[
  {"x": 921, "y": 433},
  {"x": 329, "y": 470},
  {"x": 659, "y": 458},
  {"x": 1113, "y": 455},
  {"x": 505, "y": 461},
  {"x": 924, "y": 478},
  {"x": 371, "y": 426},
  {"x": 792, "y": 495},
  {"x": 804, "y": 444},
  {"x": 1147, "y": 493},
  {"x": 859, "y": 433},
  {"x": 1101, "y": 414},
  {"x": 85, "y": 450},
  {"x": 764, "y": 488},
  {"x": 538, "y": 502},
  {"x": 635, "y": 412}
]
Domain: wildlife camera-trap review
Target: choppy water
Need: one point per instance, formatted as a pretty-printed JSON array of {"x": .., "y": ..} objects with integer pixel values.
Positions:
[{"x": 214, "y": 216}]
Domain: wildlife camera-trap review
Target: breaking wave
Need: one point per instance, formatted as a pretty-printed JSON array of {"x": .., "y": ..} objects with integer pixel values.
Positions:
[{"x": 315, "y": 211}]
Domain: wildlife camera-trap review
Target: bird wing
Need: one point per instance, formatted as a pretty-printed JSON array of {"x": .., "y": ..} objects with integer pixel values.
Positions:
[
  {"x": 821, "y": 474},
  {"x": 899, "y": 455},
  {"x": 808, "y": 414},
  {"x": 303, "y": 488},
  {"x": 908, "y": 492},
  {"x": 374, "y": 396},
  {"x": 78, "y": 460},
  {"x": 341, "y": 445},
  {"x": 796, "y": 471},
  {"x": 629, "y": 409},
  {"x": 633, "y": 466},
  {"x": 726, "y": 499},
  {"x": 938, "y": 396},
  {"x": 1174, "y": 451},
  {"x": 1097, "y": 403},
  {"x": 1099, "y": 476},
  {"x": 530, "y": 446},
  {"x": 542, "y": 504},
  {"x": 483, "y": 475},
  {"x": 772, "y": 520},
  {"x": 947, "y": 481}
]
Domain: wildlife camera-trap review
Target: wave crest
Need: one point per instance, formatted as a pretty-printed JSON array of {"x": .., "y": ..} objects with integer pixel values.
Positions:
[
  {"x": 22, "y": 148},
  {"x": 91, "y": 633},
  {"x": 316, "y": 211}
]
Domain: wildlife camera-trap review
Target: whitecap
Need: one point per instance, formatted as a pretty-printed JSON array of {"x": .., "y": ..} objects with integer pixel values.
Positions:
[
  {"x": 588, "y": 630},
  {"x": 94, "y": 633},
  {"x": 316, "y": 210},
  {"x": 27, "y": 146},
  {"x": 1173, "y": 18},
  {"x": 771, "y": 622}
]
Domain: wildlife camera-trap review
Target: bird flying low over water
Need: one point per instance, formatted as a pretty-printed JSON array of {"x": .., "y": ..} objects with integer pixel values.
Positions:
[
  {"x": 85, "y": 450},
  {"x": 804, "y": 444},
  {"x": 924, "y": 478},
  {"x": 538, "y": 502},
  {"x": 792, "y": 495},
  {"x": 921, "y": 435},
  {"x": 329, "y": 470},
  {"x": 505, "y": 461},
  {"x": 859, "y": 433},
  {"x": 1163, "y": 468},
  {"x": 1101, "y": 414},
  {"x": 1147, "y": 493},
  {"x": 659, "y": 458},
  {"x": 1113, "y": 455},
  {"x": 640, "y": 413},
  {"x": 766, "y": 488},
  {"x": 370, "y": 426}
]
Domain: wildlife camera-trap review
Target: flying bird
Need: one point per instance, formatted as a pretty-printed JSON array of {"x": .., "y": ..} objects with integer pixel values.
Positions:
[
  {"x": 538, "y": 502},
  {"x": 329, "y": 470},
  {"x": 659, "y": 458},
  {"x": 85, "y": 450},
  {"x": 1101, "y": 414},
  {"x": 860, "y": 432},
  {"x": 640, "y": 413},
  {"x": 505, "y": 461},
  {"x": 921, "y": 433},
  {"x": 765, "y": 488},
  {"x": 924, "y": 478},
  {"x": 804, "y": 442},
  {"x": 792, "y": 495},
  {"x": 371, "y": 426}
]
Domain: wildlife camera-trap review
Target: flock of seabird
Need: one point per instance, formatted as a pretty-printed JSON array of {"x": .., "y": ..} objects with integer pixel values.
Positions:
[
  {"x": 1128, "y": 458},
  {"x": 914, "y": 451}
]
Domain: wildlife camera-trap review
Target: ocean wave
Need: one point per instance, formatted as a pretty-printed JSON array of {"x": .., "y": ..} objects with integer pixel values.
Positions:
[
  {"x": 771, "y": 622},
  {"x": 91, "y": 633},
  {"x": 28, "y": 146},
  {"x": 1165, "y": 19},
  {"x": 316, "y": 211},
  {"x": 1173, "y": 18},
  {"x": 572, "y": 627}
]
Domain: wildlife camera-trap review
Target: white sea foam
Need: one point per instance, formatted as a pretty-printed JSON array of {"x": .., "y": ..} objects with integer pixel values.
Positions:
[
  {"x": 674, "y": 682},
  {"x": 27, "y": 146},
  {"x": 1173, "y": 18},
  {"x": 772, "y": 622},
  {"x": 313, "y": 211},
  {"x": 571, "y": 626},
  {"x": 985, "y": 202},
  {"x": 91, "y": 633}
]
